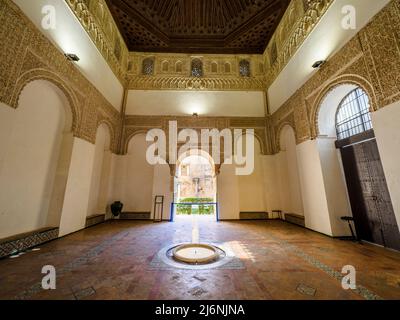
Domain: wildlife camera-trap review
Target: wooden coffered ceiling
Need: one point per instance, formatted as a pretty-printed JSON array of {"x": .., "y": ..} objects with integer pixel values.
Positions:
[{"x": 198, "y": 26}]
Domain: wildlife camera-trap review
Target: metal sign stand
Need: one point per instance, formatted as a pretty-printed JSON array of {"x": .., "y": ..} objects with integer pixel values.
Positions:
[{"x": 158, "y": 208}]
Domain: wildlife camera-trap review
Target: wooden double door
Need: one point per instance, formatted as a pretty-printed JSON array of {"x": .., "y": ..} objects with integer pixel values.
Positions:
[{"x": 371, "y": 204}]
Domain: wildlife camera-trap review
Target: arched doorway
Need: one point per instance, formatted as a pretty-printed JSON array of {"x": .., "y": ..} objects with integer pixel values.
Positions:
[
  {"x": 345, "y": 116},
  {"x": 251, "y": 187},
  {"x": 35, "y": 156},
  {"x": 137, "y": 178},
  {"x": 99, "y": 190},
  {"x": 289, "y": 183},
  {"x": 195, "y": 186}
]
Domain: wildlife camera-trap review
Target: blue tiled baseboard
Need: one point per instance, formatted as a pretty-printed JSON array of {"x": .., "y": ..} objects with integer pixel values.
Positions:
[
  {"x": 295, "y": 219},
  {"x": 254, "y": 215},
  {"x": 26, "y": 241},
  {"x": 95, "y": 220},
  {"x": 135, "y": 216}
]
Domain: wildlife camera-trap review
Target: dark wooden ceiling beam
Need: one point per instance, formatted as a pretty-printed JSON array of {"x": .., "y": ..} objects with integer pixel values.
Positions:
[
  {"x": 211, "y": 26},
  {"x": 136, "y": 16},
  {"x": 274, "y": 7}
]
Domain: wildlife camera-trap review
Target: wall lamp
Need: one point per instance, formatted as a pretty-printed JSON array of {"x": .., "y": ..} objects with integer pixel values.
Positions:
[
  {"x": 72, "y": 57},
  {"x": 318, "y": 64}
]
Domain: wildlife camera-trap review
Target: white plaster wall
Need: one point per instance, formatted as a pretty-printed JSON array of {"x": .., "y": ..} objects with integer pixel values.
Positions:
[
  {"x": 315, "y": 202},
  {"x": 205, "y": 103},
  {"x": 30, "y": 141},
  {"x": 296, "y": 203},
  {"x": 271, "y": 183},
  {"x": 163, "y": 185},
  {"x": 105, "y": 190},
  {"x": 101, "y": 170},
  {"x": 386, "y": 125},
  {"x": 133, "y": 177},
  {"x": 251, "y": 187},
  {"x": 282, "y": 182},
  {"x": 112, "y": 187},
  {"x": 61, "y": 178},
  {"x": 335, "y": 186},
  {"x": 331, "y": 161},
  {"x": 228, "y": 193},
  {"x": 289, "y": 180},
  {"x": 118, "y": 169},
  {"x": 7, "y": 120},
  {"x": 76, "y": 201}
]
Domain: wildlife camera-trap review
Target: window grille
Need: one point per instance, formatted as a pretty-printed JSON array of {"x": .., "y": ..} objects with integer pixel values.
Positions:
[
  {"x": 353, "y": 116},
  {"x": 244, "y": 68},
  {"x": 197, "y": 68},
  {"x": 148, "y": 66}
]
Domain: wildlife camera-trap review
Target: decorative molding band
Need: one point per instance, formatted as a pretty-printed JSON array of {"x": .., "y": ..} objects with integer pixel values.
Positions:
[{"x": 191, "y": 83}]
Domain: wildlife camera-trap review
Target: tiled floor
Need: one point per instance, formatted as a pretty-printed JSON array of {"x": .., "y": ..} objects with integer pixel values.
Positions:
[{"x": 281, "y": 261}]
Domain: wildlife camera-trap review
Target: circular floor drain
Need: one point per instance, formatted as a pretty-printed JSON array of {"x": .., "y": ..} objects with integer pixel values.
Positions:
[
  {"x": 196, "y": 253},
  {"x": 194, "y": 256}
]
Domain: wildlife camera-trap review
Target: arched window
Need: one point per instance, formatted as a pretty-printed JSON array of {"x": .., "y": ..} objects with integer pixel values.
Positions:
[
  {"x": 197, "y": 68},
  {"x": 148, "y": 66},
  {"x": 214, "y": 67},
  {"x": 227, "y": 67},
  {"x": 178, "y": 67},
  {"x": 244, "y": 68},
  {"x": 353, "y": 115},
  {"x": 165, "y": 66}
]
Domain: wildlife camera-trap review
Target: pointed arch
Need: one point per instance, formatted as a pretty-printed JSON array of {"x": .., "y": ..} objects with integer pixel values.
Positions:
[
  {"x": 228, "y": 67},
  {"x": 178, "y": 66},
  {"x": 214, "y": 67},
  {"x": 42, "y": 74},
  {"x": 165, "y": 66},
  {"x": 278, "y": 142},
  {"x": 113, "y": 135},
  {"x": 339, "y": 81}
]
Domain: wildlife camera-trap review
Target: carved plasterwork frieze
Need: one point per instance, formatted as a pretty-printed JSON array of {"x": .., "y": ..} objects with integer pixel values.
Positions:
[
  {"x": 381, "y": 44},
  {"x": 301, "y": 120},
  {"x": 135, "y": 125},
  {"x": 298, "y": 22},
  {"x": 221, "y": 71},
  {"x": 98, "y": 22},
  {"x": 27, "y": 56},
  {"x": 173, "y": 72},
  {"x": 370, "y": 60},
  {"x": 278, "y": 127},
  {"x": 190, "y": 83}
]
